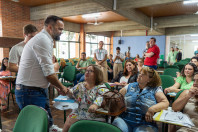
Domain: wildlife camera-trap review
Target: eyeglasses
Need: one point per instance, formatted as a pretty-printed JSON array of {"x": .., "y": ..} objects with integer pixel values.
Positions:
[{"x": 89, "y": 71}]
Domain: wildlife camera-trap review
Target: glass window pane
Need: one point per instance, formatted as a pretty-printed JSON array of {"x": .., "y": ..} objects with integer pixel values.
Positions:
[
  {"x": 73, "y": 50},
  {"x": 88, "y": 50},
  {"x": 94, "y": 39},
  {"x": 73, "y": 36},
  {"x": 88, "y": 38},
  {"x": 101, "y": 38},
  {"x": 63, "y": 36},
  {"x": 63, "y": 50}
]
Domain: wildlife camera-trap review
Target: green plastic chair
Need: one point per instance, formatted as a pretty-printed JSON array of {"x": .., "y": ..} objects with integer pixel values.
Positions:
[
  {"x": 178, "y": 94},
  {"x": 32, "y": 119},
  {"x": 181, "y": 66},
  {"x": 93, "y": 126},
  {"x": 69, "y": 74},
  {"x": 68, "y": 64},
  {"x": 172, "y": 66},
  {"x": 171, "y": 71},
  {"x": 167, "y": 81}
]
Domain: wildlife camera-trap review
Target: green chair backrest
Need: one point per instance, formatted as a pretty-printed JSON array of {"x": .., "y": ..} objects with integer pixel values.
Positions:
[
  {"x": 171, "y": 71},
  {"x": 123, "y": 64},
  {"x": 93, "y": 126},
  {"x": 167, "y": 81},
  {"x": 178, "y": 94},
  {"x": 68, "y": 64},
  {"x": 181, "y": 66},
  {"x": 32, "y": 119},
  {"x": 172, "y": 66},
  {"x": 69, "y": 73}
]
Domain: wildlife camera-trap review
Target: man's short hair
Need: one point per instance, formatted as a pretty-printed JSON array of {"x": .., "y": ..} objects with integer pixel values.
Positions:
[
  {"x": 118, "y": 48},
  {"x": 83, "y": 53},
  {"x": 29, "y": 29},
  {"x": 195, "y": 57},
  {"x": 52, "y": 19},
  {"x": 153, "y": 38}
]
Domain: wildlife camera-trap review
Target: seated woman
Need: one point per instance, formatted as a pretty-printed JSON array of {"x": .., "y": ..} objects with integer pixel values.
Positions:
[
  {"x": 188, "y": 102},
  {"x": 88, "y": 95},
  {"x": 143, "y": 98},
  {"x": 56, "y": 64},
  {"x": 4, "y": 84},
  {"x": 185, "y": 81},
  {"x": 140, "y": 64},
  {"x": 128, "y": 56},
  {"x": 127, "y": 76}
]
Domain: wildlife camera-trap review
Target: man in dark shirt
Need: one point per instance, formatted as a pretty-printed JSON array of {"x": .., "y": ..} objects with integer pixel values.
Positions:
[{"x": 179, "y": 55}]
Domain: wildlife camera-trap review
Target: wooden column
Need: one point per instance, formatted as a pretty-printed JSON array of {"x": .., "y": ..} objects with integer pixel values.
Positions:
[
  {"x": 82, "y": 39},
  {"x": 111, "y": 48}
]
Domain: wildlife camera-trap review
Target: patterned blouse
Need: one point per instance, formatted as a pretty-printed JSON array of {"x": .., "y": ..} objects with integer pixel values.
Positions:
[{"x": 85, "y": 98}]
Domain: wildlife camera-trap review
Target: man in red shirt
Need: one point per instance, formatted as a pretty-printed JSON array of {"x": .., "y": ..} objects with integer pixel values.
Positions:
[{"x": 152, "y": 54}]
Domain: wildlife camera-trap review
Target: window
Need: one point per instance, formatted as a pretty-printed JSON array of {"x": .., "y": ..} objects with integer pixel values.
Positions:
[
  {"x": 92, "y": 44},
  {"x": 68, "y": 46}
]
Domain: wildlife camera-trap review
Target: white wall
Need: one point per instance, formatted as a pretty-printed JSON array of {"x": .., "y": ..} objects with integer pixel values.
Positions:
[{"x": 189, "y": 48}]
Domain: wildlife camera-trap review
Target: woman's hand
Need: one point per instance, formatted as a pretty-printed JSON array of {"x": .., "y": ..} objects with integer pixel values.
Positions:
[
  {"x": 92, "y": 108},
  {"x": 149, "y": 115},
  {"x": 168, "y": 90},
  {"x": 123, "y": 91},
  {"x": 192, "y": 92},
  {"x": 123, "y": 83}
]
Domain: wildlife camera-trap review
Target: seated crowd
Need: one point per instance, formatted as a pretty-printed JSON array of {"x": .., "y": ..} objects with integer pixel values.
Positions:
[{"x": 135, "y": 78}]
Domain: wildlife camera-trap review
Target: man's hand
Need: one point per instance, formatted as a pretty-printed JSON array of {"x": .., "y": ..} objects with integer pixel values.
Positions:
[{"x": 92, "y": 108}]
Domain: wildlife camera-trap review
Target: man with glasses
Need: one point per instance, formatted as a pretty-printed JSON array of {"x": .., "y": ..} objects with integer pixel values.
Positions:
[{"x": 29, "y": 31}]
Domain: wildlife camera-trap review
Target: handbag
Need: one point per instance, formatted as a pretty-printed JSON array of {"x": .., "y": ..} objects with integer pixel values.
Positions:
[{"x": 113, "y": 102}]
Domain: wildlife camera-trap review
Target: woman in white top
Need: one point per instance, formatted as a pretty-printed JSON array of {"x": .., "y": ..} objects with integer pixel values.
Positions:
[
  {"x": 100, "y": 55},
  {"x": 56, "y": 64},
  {"x": 129, "y": 75}
]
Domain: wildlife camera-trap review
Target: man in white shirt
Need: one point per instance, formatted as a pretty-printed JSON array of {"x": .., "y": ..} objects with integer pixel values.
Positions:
[
  {"x": 100, "y": 55},
  {"x": 29, "y": 31},
  {"x": 118, "y": 59},
  {"x": 36, "y": 68}
]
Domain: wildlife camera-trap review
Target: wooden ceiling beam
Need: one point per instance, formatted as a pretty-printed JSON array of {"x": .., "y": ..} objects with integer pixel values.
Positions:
[
  {"x": 131, "y": 14},
  {"x": 123, "y": 4},
  {"x": 137, "y": 33},
  {"x": 65, "y": 9},
  {"x": 182, "y": 30},
  {"x": 114, "y": 26},
  {"x": 176, "y": 21}
]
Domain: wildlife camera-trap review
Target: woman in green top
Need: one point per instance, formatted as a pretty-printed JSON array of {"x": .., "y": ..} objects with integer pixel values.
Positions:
[{"x": 185, "y": 81}]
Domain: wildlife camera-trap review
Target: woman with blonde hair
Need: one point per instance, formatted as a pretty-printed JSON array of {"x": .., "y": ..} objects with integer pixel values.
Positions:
[
  {"x": 188, "y": 102},
  {"x": 89, "y": 97},
  {"x": 143, "y": 98}
]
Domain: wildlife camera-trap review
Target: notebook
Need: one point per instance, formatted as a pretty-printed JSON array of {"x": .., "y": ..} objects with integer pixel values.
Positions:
[{"x": 61, "y": 98}]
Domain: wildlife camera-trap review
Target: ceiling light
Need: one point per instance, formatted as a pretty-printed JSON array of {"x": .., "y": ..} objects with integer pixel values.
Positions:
[
  {"x": 91, "y": 15},
  {"x": 193, "y": 35},
  {"x": 195, "y": 41},
  {"x": 190, "y": 1}
]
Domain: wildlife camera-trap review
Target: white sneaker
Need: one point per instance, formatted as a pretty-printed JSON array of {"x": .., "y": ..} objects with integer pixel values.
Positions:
[{"x": 55, "y": 128}]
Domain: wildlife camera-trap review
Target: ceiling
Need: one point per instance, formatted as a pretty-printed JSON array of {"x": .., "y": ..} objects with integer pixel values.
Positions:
[
  {"x": 32, "y": 3},
  {"x": 170, "y": 17},
  {"x": 108, "y": 16},
  {"x": 171, "y": 9}
]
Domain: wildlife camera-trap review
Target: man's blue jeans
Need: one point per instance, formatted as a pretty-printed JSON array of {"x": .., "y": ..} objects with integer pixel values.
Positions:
[
  {"x": 29, "y": 95},
  {"x": 80, "y": 77}
]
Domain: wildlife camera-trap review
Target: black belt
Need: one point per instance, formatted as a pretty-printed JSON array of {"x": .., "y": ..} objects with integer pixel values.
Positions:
[{"x": 32, "y": 88}]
